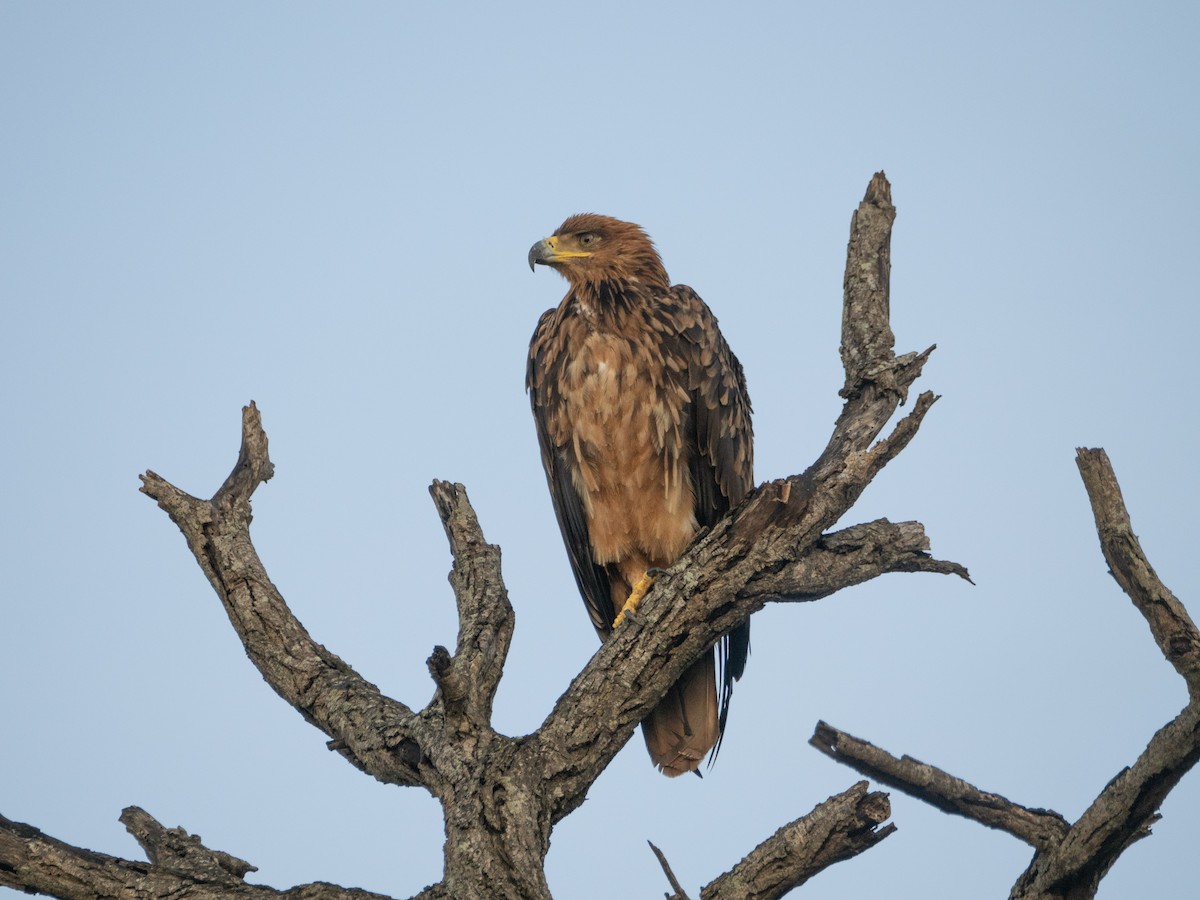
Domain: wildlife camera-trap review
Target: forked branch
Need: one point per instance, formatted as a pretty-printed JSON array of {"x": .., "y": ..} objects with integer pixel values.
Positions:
[
  {"x": 1071, "y": 859},
  {"x": 372, "y": 731}
]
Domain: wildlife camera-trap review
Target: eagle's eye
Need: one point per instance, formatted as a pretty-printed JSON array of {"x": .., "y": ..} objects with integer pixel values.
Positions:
[{"x": 586, "y": 238}]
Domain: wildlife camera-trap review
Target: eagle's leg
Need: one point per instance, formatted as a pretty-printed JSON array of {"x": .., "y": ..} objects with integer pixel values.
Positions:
[{"x": 636, "y": 594}]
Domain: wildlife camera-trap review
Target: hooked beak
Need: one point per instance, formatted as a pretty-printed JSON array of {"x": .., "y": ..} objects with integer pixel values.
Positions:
[
  {"x": 547, "y": 253},
  {"x": 541, "y": 252}
]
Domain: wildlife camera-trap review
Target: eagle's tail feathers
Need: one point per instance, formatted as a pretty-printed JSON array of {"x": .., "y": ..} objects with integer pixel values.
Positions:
[{"x": 682, "y": 729}]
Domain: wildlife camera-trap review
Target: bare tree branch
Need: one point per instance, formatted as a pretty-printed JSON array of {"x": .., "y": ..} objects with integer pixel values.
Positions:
[
  {"x": 175, "y": 849},
  {"x": 1128, "y": 805},
  {"x": 1038, "y": 827},
  {"x": 851, "y": 556},
  {"x": 677, "y": 889},
  {"x": 485, "y": 617},
  {"x": 374, "y": 732},
  {"x": 1071, "y": 859},
  {"x": 867, "y": 339},
  {"x": 181, "y": 868},
  {"x": 1121, "y": 815},
  {"x": 1172, "y": 627},
  {"x": 842, "y": 827},
  {"x": 589, "y": 724}
]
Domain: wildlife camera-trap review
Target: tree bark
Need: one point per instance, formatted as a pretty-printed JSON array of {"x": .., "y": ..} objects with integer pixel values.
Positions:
[{"x": 839, "y": 828}]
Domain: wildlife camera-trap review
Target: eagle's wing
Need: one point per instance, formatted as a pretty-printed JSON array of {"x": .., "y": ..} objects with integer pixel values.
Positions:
[
  {"x": 720, "y": 443},
  {"x": 719, "y": 428},
  {"x": 543, "y": 383}
]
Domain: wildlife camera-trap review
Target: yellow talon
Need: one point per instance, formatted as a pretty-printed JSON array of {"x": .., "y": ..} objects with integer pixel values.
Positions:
[{"x": 635, "y": 597}]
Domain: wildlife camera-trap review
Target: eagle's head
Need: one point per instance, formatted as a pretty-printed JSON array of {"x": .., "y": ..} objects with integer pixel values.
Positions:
[{"x": 589, "y": 249}]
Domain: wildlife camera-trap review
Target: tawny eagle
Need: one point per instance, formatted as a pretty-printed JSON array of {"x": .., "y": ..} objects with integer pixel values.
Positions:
[{"x": 644, "y": 424}]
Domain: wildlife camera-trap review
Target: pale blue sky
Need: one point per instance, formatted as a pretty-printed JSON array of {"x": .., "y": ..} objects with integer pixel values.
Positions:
[{"x": 326, "y": 208}]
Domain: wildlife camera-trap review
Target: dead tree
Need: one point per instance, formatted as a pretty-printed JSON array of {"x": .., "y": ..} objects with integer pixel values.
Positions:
[{"x": 501, "y": 795}]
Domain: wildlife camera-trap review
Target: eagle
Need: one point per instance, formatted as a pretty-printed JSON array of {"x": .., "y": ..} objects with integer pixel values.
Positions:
[{"x": 643, "y": 420}]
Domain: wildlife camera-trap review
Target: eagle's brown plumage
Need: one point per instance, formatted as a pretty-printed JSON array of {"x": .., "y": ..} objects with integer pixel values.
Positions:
[{"x": 644, "y": 424}]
